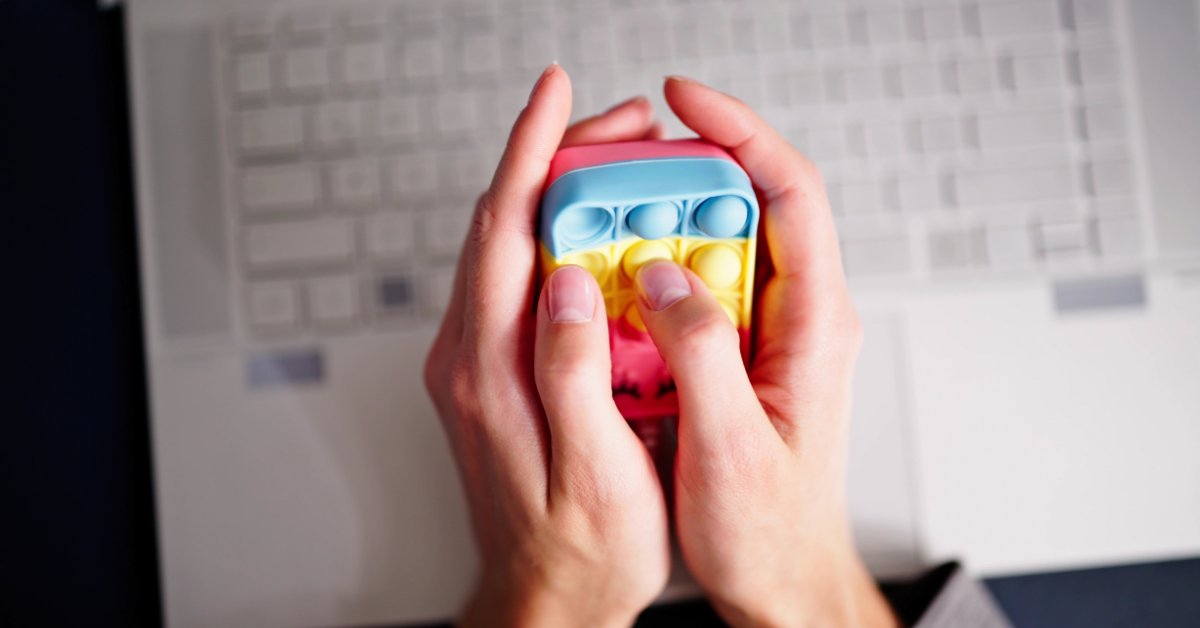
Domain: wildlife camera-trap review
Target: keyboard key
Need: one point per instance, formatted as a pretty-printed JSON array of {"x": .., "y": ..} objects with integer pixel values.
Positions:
[
  {"x": 251, "y": 27},
  {"x": 1108, "y": 178},
  {"x": 422, "y": 57},
  {"x": 272, "y": 304},
  {"x": 804, "y": 87},
  {"x": 252, "y": 75},
  {"x": 455, "y": 112},
  {"x": 280, "y": 188},
  {"x": 270, "y": 131},
  {"x": 884, "y": 139},
  {"x": 1008, "y": 247},
  {"x": 862, "y": 84},
  {"x": 394, "y": 294},
  {"x": 305, "y": 71},
  {"x": 1097, "y": 67},
  {"x": 919, "y": 80},
  {"x": 440, "y": 287},
  {"x": 884, "y": 26},
  {"x": 829, "y": 30},
  {"x": 338, "y": 124},
  {"x": 326, "y": 241},
  {"x": 445, "y": 229},
  {"x": 1119, "y": 237},
  {"x": 951, "y": 250},
  {"x": 399, "y": 119},
  {"x": 826, "y": 144},
  {"x": 1015, "y": 186},
  {"x": 973, "y": 76},
  {"x": 1063, "y": 242},
  {"x": 939, "y": 134},
  {"x": 1102, "y": 122},
  {"x": 1036, "y": 71},
  {"x": 875, "y": 256},
  {"x": 940, "y": 23},
  {"x": 854, "y": 197},
  {"x": 1086, "y": 14},
  {"x": 917, "y": 193},
  {"x": 364, "y": 65},
  {"x": 364, "y": 19},
  {"x": 481, "y": 52},
  {"x": 1017, "y": 18},
  {"x": 390, "y": 236},
  {"x": 307, "y": 23},
  {"x": 354, "y": 182},
  {"x": 413, "y": 176},
  {"x": 332, "y": 299},
  {"x": 1003, "y": 130}
]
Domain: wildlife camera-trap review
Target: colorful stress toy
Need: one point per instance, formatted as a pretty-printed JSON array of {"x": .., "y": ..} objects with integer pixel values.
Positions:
[{"x": 612, "y": 207}]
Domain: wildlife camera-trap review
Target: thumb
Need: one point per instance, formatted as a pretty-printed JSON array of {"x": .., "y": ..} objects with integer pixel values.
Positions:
[
  {"x": 701, "y": 347},
  {"x": 573, "y": 372}
]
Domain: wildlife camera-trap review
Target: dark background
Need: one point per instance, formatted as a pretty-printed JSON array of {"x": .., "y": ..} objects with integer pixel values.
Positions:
[{"x": 78, "y": 538}]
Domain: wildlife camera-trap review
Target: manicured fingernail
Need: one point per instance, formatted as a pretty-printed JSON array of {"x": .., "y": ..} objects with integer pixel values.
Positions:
[
  {"x": 662, "y": 284},
  {"x": 542, "y": 79},
  {"x": 570, "y": 295}
]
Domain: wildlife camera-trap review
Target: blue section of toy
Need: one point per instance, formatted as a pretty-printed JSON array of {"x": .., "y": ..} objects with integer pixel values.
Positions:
[{"x": 649, "y": 199}]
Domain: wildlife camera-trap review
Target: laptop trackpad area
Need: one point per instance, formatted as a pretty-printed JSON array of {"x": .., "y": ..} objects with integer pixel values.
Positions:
[{"x": 1048, "y": 437}]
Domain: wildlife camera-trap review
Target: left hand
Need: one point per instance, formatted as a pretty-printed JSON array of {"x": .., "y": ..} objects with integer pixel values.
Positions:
[{"x": 566, "y": 506}]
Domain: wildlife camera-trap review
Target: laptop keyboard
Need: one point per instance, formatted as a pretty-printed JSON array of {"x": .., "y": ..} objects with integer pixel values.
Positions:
[{"x": 960, "y": 141}]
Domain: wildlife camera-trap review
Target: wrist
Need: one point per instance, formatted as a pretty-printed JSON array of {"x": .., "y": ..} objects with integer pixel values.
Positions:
[
  {"x": 507, "y": 603},
  {"x": 834, "y": 590}
]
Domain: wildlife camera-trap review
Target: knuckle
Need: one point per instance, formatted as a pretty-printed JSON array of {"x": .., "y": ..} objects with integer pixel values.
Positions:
[{"x": 707, "y": 334}]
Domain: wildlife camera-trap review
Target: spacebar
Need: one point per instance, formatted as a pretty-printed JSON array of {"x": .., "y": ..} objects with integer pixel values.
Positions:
[{"x": 187, "y": 248}]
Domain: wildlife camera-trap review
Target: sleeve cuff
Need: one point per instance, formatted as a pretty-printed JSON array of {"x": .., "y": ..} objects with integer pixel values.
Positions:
[{"x": 942, "y": 597}]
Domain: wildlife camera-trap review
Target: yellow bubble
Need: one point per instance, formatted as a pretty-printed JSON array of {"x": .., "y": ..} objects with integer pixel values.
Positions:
[
  {"x": 595, "y": 263},
  {"x": 643, "y": 252},
  {"x": 634, "y": 318},
  {"x": 732, "y": 311},
  {"x": 719, "y": 265}
]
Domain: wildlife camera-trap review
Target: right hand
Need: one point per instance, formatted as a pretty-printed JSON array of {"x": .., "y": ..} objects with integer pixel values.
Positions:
[{"x": 759, "y": 477}]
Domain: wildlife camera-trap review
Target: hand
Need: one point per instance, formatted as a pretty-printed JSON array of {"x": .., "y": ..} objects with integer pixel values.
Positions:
[
  {"x": 760, "y": 462},
  {"x": 566, "y": 506}
]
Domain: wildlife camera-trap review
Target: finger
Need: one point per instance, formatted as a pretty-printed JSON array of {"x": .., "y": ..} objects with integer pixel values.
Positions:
[
  {"x": 573, "y": 372},
  {"x": 626, "y": 121},
  {"x": 701, "y": 347},
  {"x": 502, "y": 251},
  {"x": 655, "y": 132},
  {"x": 799, "y": 225}
]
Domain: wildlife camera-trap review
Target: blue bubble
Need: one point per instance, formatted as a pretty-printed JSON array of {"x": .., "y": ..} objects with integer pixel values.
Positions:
[
  {"x": 722, "y": 217},
  {"x": 582, "y": 224},
  {"x": 653, "y": 220}
]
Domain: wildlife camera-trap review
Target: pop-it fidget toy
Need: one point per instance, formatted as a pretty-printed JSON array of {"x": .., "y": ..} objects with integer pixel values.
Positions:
[{"x": 612, "y": 207}]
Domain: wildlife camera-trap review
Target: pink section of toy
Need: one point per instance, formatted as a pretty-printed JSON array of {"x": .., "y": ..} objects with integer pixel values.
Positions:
[{"x": 574, "y": 158}]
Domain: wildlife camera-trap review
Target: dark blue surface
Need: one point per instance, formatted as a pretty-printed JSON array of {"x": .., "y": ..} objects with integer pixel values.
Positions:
[
  {"x": 78, "y": 545},
  {"x": 1163, "y": 595}
]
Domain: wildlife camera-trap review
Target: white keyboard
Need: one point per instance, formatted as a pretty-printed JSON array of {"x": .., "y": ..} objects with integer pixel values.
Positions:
[{"x": 960, "y": 140}]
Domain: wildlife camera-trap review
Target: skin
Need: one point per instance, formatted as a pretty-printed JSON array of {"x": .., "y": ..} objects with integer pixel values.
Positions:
[{"x": 567, "y": 508}]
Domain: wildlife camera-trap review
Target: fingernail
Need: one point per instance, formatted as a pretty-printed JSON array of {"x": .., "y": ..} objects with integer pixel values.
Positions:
[
  {"x": 680, "y": 79},
  {"x": 570, "y": 295},
  {"x": 661, "y": 284},
  {"x": 542, "y": 79}
]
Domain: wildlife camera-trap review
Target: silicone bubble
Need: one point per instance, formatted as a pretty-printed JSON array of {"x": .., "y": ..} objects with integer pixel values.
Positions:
[
  {"x": 722, "y": 217},
  {"x": 643, "y": 252},
  {"x": 582, "y": 224},
  {"x": 719, "y": 265},
  {"x": 653, "y": 220}
]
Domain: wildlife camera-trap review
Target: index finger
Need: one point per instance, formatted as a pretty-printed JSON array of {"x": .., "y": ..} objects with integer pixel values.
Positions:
[{"x": 800, "y": 232}]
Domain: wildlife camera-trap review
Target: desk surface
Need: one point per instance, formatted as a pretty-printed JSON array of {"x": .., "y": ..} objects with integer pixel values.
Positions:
[{"x": 79, "y": 511}]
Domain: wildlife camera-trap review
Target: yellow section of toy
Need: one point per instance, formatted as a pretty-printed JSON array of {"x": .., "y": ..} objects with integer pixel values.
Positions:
[{"x": 725, "y": 265}]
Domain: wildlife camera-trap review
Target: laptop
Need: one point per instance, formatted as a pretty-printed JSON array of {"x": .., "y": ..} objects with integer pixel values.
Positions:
[{"x": 1015, "y": 184}]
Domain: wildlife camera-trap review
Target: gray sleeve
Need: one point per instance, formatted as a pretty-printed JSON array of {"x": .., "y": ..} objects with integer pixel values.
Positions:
[{"x": 945, "y": 597}]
